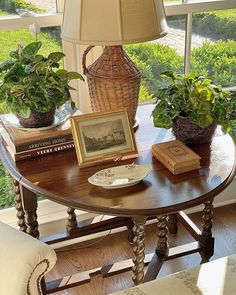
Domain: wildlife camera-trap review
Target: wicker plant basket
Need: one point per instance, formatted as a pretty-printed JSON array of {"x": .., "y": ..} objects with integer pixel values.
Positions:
[
  {"x": 37, "y": 119},
  {"x": 190, "y": 133},
  {"x": 113, "y": 81}
]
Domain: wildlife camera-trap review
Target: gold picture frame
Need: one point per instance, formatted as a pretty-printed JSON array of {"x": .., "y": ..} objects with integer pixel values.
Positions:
[{"x": 103, "y": 136}]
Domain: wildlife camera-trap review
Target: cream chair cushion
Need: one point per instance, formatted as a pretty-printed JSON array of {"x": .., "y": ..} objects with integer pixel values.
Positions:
[
  {"x": 24, "y": 260},
  {"x": 217, "y": 277}
]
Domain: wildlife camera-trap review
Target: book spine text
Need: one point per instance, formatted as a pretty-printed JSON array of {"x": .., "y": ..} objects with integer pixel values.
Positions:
[
  {"x": 43, "y": 143},
  {"x": 43, "y": 151}
]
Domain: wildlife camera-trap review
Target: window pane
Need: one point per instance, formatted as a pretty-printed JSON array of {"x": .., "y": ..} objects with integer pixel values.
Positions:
[
  {"x": 176, "y": 35},
  {"x": 21, "y": 7},
  {"x": 9, "y": 40},
  {"x": 46, "y": 5},
  {"x": 158, "y": 56},
  {"x": 215, "y": 55}
]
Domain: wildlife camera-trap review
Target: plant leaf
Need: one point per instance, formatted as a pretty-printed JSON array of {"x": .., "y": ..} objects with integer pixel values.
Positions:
[
  {"x": 31, "y": 50},
  {"x": 74, "y": 75},
  {"x": 56, "y": 56}
]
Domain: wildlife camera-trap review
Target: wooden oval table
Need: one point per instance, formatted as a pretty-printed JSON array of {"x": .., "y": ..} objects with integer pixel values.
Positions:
[{"x": 161, "y": 194}]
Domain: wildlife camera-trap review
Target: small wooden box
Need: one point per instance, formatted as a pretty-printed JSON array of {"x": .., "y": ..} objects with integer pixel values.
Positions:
[{"x": 176, "y": 156}]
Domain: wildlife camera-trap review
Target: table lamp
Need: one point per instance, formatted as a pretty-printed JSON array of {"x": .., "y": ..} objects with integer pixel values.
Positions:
[{"x": 113, "y": 79}]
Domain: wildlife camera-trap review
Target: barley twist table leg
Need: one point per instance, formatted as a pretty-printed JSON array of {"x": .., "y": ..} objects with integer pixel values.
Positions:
[
  {"x": 30, "y": 205},
  {"x": 207, "y": 239},
  {"x": 161, "y": 250},
  {"x": 71, "y": 221},
  {"x": 173, "y": 223},
  {"x": 130, "y": 227},
  {"x": 32, "y": 223},
  {"x": 138, "y": 249},
  {"x": 162, "y": 230},
  {"x": 20, "y": 214}
]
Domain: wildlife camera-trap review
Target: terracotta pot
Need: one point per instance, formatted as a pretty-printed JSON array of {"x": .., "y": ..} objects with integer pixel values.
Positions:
[
  {"x": 38, "y": 119},
  {"x": 190, "y": 133}
]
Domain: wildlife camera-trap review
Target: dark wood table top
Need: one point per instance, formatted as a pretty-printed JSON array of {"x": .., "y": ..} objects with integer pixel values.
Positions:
[{"x": 59, "y": 178}]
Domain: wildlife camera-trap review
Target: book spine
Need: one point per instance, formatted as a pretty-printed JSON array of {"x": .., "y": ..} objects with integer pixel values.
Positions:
[
  {"x": 43, "y": 143},
  {"x": 171, "y": 161},
  {"x": 186, "y": 169},
  {"x": 163, "y": 161},
  {"x": 43, "y": 151},
  {"x": 23, "y": 137},
  {"x": 183, "y": 169}
]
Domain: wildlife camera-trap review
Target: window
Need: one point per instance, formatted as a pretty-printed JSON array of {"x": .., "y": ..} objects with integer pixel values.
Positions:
[
  {"x": 189, "y": 41},
  {"x": 200, "y": 38},
  {"x": 215, "y": 56}
]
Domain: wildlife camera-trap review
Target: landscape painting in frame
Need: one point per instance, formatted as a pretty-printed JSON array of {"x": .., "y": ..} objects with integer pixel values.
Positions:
[{"x": 102, "y": 136}]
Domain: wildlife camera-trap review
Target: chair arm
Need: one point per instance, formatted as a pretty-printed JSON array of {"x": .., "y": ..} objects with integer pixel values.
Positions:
[
  {"x": 217, "y": 277},
  {"x": 24, "y": 260}
]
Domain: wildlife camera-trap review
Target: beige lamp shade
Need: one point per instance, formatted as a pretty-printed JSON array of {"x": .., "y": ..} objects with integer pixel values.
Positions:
[{"x": 113, "y": 22}]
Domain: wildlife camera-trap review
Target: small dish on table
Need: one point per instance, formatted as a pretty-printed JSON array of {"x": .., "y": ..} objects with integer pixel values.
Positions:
[{"x": 120, "y": 176}]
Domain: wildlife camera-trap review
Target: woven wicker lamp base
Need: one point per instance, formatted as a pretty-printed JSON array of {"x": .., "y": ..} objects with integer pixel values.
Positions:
[{"x": 113, "y": 81}]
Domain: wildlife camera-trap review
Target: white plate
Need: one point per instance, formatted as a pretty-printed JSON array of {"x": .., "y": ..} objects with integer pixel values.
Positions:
[{"x": 120, "y": 176}]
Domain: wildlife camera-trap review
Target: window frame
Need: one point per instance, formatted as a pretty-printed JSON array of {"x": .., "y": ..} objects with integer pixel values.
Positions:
[{"x": 74, "y": 53}]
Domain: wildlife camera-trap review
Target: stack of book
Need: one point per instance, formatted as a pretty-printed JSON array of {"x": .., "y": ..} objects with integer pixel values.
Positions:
[
  {"x": 23, "y": 144},
  {"x": 176, "y": 156}
]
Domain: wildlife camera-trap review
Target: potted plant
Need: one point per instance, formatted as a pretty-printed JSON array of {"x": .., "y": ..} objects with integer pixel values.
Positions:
[
  {"x": 193, "y": 106},
  {"x": 33, "y": 86}
]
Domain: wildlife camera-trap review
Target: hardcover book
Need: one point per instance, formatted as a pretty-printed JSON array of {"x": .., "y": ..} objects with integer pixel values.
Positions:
[
  {"x": 22, "y": 140},
  {"x": 38, "y": 152},
  {"x": 20, "y": 137},
  {"x": 176, "y": 156},
  {"x": 37, "y": 144}
]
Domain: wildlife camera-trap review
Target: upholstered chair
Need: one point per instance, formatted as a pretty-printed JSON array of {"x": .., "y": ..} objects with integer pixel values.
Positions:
[
  {"x": 216, "y": 277},
  {"x": 24, "y": 261}
]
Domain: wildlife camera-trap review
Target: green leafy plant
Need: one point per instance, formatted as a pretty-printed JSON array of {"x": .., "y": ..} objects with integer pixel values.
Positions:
[
  {"x": 31, "y": 81},
  {"x": 196, "y": 98}
]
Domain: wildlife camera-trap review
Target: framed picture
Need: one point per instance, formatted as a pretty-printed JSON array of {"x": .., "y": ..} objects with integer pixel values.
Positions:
[{"x": 103, "y": 136}]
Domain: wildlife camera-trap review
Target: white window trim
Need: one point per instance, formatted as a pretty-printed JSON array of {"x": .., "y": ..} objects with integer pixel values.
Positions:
[
  {"x": 55, "y": 19},
  {"x": 198, "y": 6},
  {"x": 17, "y": 22}
]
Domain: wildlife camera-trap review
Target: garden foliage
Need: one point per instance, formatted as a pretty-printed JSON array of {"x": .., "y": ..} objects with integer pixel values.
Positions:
[
  {"x": 6, "y": 190},
  {"x": 14, "y": 5},
  {"x": 219, "y": 25},
  {"x": 216, "y": 24},
  {"x": 153, "y": 59},
  {"x": 217, "y": 61}
]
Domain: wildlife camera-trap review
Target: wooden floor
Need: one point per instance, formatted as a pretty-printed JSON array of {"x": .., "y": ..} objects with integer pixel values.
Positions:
[{"x": 116, "y": 247}]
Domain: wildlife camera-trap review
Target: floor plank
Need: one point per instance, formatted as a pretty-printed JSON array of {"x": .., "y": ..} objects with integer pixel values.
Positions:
[{"x": 115, "y": 247}]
